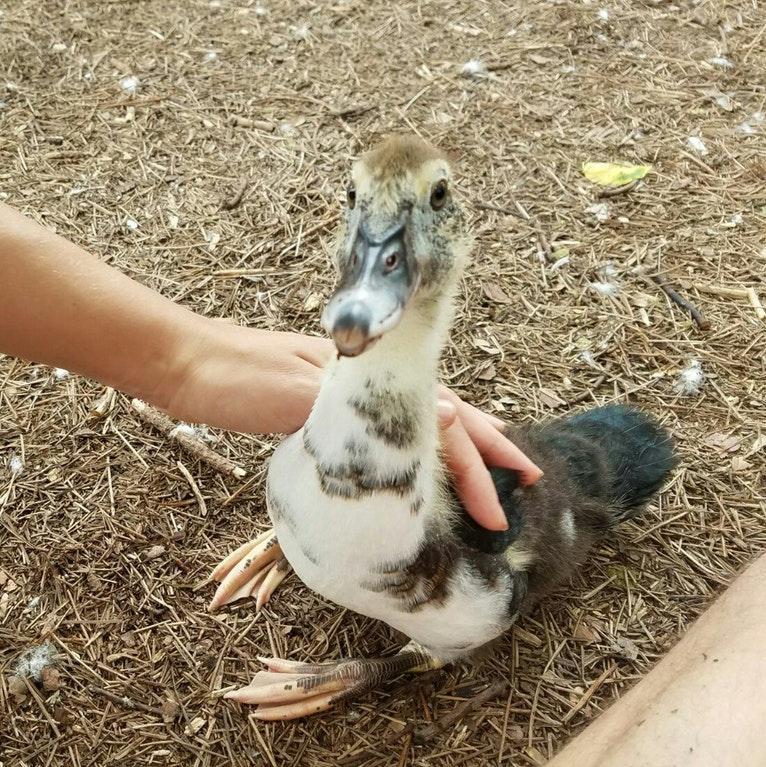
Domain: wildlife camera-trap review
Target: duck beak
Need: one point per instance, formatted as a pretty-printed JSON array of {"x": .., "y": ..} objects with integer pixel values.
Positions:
[{"x": 379, "y": 279}]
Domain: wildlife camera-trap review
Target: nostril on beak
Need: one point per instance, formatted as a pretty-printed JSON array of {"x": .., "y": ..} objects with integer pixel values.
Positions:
[{"x": 351, "y": 329}]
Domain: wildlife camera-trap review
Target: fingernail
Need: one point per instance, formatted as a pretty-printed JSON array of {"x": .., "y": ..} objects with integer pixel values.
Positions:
[{"x": 445, "y": 412}]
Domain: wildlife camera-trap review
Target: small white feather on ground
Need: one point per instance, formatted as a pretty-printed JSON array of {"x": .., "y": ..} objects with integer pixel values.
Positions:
[
  {"x": 34, "y": 661},
  {"x": 690, "y": 380},
  {"x": 475, "y": 68}
]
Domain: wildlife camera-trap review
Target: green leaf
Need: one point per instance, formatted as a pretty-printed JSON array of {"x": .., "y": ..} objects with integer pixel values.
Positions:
[{"x": 612, "y": 173}]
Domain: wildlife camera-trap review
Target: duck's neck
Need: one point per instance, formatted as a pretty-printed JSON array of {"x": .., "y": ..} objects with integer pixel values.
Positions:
[{"x": 373, "y": 429}]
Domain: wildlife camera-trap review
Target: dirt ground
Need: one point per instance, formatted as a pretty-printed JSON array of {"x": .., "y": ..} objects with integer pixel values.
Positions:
[{"x": 103, "y": 543}]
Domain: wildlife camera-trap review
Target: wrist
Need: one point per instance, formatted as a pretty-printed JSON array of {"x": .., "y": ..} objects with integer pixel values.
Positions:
[{"x": 187, "y": 347}]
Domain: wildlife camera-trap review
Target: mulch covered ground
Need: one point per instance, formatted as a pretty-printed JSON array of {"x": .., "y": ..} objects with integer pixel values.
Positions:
[{"x": 202, "y": 147}]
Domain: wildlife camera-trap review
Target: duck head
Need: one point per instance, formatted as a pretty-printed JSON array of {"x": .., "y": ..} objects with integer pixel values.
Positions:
[{"x": 403, "y": 242}]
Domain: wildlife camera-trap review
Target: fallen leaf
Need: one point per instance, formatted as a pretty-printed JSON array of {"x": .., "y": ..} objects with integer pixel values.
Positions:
[
  {"x": 313, "y": 301},
  {"x": 726, "y": 443},
  {"x": 723, "y": 100},
  {"x": 759, "y": 444},
  {"x": 697, "y": 144},
  {"x": 495, "y": 293},
  {"x": 535, "y": 755},
  {"x": 194, "y": 726},
  {"x": 642, "y": 300},
  {"x": 584, "y": 633},
  {"x": 18, "y": 688},
  {"x": 487, "y": 373},
  {"x": 154, "y": 552},
  {"x": 170, "y": 711},
  {"x": 550, "y": 398},
  {"x": 739, "y": 464},
  {"x": 613, "y": 174},
  {"x": 61, "y": 715},
  {"x": 600, "y": 210},
  {"x": 625, "y": 647},
  {"x": 51, "y": 679}
]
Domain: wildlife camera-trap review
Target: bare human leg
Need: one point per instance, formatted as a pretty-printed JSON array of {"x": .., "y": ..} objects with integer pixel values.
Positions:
[{"x": 703, "y": 705}]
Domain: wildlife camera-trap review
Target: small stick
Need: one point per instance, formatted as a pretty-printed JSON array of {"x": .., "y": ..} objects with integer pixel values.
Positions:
[
  {"x": 589, "y": 693},
  {"x": 246, "y": 122},
  {"x": 496, "y": 208},
  {"x": 613, "y": 191},
  {"x": 522, "y": 213},
  {"x": 582, "y": 396},
  {"x": 755, "y": 301},
  {"x": 543, "y": 240},
  {"x": 126, "y": 702},
  {"x": 38, "y": 699},
  {"x": 697, "y": 316},
  {"x": 424, "y": 734},
  {"x": 191, "y": 444},
  {"x": 234, "y": 201},
  {"x": 724, "y": 292},
  {"x": 527, "y": 637},
  {"x": 194, "y": 487},
  {"x": 103, "y": 404}
]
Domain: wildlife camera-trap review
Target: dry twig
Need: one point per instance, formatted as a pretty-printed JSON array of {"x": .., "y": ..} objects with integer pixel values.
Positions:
[
  {"x": 495, "y": 690},
  {"x": 191, "y": 444},
  {"x": 235, "y": 200},
  {"x": 697, "y": 316}
]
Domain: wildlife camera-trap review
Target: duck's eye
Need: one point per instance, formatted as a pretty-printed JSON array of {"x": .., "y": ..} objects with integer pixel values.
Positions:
[
  {"x": 439, "y": 195},
  {"x": 392, "y": 260},
  {"x": 351, "y": 197}
]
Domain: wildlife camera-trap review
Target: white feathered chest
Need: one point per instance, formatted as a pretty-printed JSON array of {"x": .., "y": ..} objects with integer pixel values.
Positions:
[{"x": 357, "y": 504}]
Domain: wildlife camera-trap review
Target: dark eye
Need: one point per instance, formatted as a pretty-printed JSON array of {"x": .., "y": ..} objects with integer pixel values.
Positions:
[
  {"x": 392, "y": 260},
  {"x": 351, "y": 197},
  {"x": 439, "y": 195}
]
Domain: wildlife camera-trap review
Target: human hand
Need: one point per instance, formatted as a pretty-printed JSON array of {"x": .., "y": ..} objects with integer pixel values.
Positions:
[{"x": 474, "y": 440}]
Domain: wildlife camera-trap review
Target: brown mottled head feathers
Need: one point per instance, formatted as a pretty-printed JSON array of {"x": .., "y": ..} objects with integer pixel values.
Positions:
[{"x": 398, "y": 155}]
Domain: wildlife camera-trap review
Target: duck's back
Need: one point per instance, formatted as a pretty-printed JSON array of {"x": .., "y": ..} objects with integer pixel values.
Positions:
[{"x": 601, "y": 467}]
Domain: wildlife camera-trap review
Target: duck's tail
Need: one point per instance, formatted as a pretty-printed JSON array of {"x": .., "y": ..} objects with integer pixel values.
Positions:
[{"x": 615, "y": 454}]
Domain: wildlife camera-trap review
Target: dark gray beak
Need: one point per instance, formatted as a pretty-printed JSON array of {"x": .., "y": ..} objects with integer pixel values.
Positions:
[{"x": 379, "y": 279}]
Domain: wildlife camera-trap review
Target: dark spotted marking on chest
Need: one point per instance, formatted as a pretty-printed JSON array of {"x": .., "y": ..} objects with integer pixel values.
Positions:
[
  {"x": 420, "y": 581},
  {"x": 391, "y": 416},
  {"x": 428, "y": 577},
  {"x": 356, "y": 477}
]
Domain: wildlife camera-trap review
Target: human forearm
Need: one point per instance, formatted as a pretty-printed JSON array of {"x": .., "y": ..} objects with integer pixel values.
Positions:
[{"x": 61, "y": 306}]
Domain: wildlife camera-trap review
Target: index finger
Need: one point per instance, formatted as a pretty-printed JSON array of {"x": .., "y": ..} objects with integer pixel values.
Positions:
[
  {"x": 471, "y": 478},
  {"x": 495, "y": 448}
]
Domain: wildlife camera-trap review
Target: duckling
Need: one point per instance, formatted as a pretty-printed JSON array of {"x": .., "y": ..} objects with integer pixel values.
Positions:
[{"x": 359, "y": 498}]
